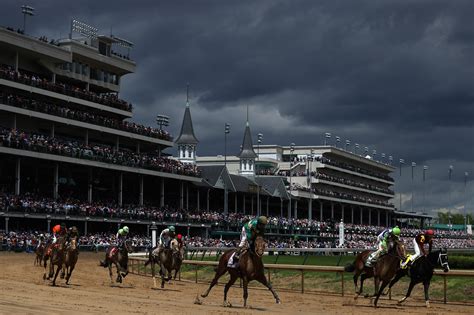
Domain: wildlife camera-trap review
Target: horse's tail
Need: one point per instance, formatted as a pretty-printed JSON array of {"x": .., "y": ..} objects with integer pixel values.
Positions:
[{"x": 349, "y": 267}]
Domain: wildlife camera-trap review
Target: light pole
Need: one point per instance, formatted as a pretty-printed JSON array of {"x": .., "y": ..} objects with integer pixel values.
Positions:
[
  {"x": 226, "y": 132},
  {"x": 402, "y": 161},
  {"x": 374, "y": 153},
  {"x": 259, "y": 141},
  {"x": 390, "y": 160},
  {"x": 450, "y": 172},
  {"x": 26, "y": 10},
  {"x": 466, "y": 174},
  {"x": 292, "y": 149},
  {"x": 327, "y": 136},
  {"x": 226, "y": 192},
  {"x": 348, "y": 143},
  {"x": 162, "y": 120},
  {"x": 366, "y": 150},
  {"x": 425, "y": 168},
  {"x": 413, "y": 165},
  {"x": 338, "y": 139},
  {"x": 356, "y": 148},
  {"x": 383, "y": 157}
]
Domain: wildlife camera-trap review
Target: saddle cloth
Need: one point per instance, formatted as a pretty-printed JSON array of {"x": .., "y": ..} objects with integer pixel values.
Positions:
[
  {"x": 113, "y": 251},
  {"x": 230, "y": 263}
]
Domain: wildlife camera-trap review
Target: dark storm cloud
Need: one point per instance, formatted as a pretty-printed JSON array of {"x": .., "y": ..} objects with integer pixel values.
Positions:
[{"x": 393, "y": 75}]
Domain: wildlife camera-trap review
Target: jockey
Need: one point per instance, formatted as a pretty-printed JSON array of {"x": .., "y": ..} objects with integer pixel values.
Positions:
[
  {"x": 121, "y": 236},
  {"x": 40, "y": 240},
  {"x": 250, "y": 231},
  {"x": 179, "y": 238},
  {"x": 166, "y": 236},
  {"x": 58, "y": 230},
  {"x": 383, "y": 238},
  {"x": 419, "y": 245}
]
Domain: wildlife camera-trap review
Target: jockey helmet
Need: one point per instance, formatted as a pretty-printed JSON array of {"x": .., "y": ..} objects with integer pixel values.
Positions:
[
  {"x": 56, "y": 228},
  {"x": 179, "y": 237},
  {"x": 262, "y": 220},
  {"x": 396, "y": 231},
  {"x": 125, "y": 229},
  {"x": 429, "y": 232},
  {"x": 172, "y": 229}
]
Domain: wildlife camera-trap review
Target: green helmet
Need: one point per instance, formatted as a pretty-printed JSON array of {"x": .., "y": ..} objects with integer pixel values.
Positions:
[
  {"x": 125, "y": 229},
  {"x": 172, "y": 229},
  {"x": 396, "y": 231},
  {"x": 262, "y": 220}
]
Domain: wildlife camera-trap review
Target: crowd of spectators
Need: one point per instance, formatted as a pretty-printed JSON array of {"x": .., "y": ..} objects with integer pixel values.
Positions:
[
  {"x": 350, "y": 182},
  {"x": 81, "y": 115},
  {"x": 73, "y": 148},
  {"x": 24, "y": 77}
]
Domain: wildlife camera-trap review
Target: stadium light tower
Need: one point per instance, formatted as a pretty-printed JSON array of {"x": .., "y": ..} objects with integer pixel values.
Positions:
[
  {"x": 356, "y": 148},
  {"x": 383, "y": 157},
  {"x": 226, "y": 132},
  {"x": 366, "y": 150},
  {"x": 450, "y": 173},
  {"x": 390, "y": 160},
  {"x": 259, "y": 141},
  {"x": 338, "y": 139},
  {"x": 425, "y": 168},
  {"x": 402, "y": 161},
  {"x": 348, "y": 143},
  {"x": 292, "y": 149},
  {"x": 327, "y": 136},
  {"x": 26, "y": 10},
  {"x": 466, "y": 174},
  {"x": 413, "y": 165},
  {"x": 162, "y": 120}
]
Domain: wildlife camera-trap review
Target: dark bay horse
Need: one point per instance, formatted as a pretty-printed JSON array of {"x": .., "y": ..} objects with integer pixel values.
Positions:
[
  {"x": 70, "y": 260},
  {"x": 169, "y": 259},
  {"x": 387, "y": 267},
  {"x": 39, "y": 252},
  {"x": 421, "y": 271},
  {"x": 250, "y": 268},
  {"x": 360, "y": 269},
  {"x": 56, "y": 258},
  {"x": 117, "y": 256}
]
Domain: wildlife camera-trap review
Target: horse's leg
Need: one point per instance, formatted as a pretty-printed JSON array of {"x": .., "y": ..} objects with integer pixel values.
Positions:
[
  {"x": 175, "y": 273},
  {"x": 426, "y": 286},
  {"x": 110, "y": 271},
  {"x": 410, "y": 287},
  {"x": 263, "y": 280},
  {"x": 69, "y": 273},
  {"x": 355, "y": 278},
  {"x": 45, "y": 264},
  {"x": 119, "y": 276},
  {"x": 222, "y": 269},
  {"x": 382, "y": 287},
  {"x": 63, "y": 270},
  {"x": 376, "y": 285},
  {"x": 153, "y": 272},
  {"x": 232, "y": 279},
  {"x": 245, "y": 284},
  {"x": 56, "y": 274},
  {"x": 361, "y": 285},
  {"x": 396, "y": 279}
]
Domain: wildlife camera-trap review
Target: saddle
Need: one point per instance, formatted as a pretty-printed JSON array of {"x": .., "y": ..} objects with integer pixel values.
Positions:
[{"x": 114, "y": 250}]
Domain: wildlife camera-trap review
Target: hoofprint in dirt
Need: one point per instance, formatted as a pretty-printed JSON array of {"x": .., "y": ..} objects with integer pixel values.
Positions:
[{"x": 23, "y": 291}]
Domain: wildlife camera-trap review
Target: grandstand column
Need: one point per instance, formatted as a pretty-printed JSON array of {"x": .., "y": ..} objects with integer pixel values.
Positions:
[
  {"x": 235, "y": 203},
  {"x": 187, "y": 196},
  {"x": 181, "y": 195},
  {"x": 16, "y": 61},
  {"x": 207, "y": 201},
  {"x": 310, "y": 208},
  {"x": 86, "y": 137},
  {"x": 289, "y": 209},
  {"x": 6, "y": 224},
  {"x": 17, "y": 176},
  {"x": 370, "y": 216},
  {"x": 207, "y": 233},
  {"x": 53, "y": 78},
  {"x": 138, "y": 147},
  {"x": 162, "y": 192},
  {"x": 85, "y": 227},
  {"x": 148, "y": 230},
  {"x": 56, "y": 181},
  {"x": 267, "y": 205},
  {"x": 120, "y": 187},
  {"x": 352, "y": 214},
  {"x": 52, "y": 130},
  {"x": 361, "y": 215},
  {"x": 48, "y": 227},
  {"x": 251, "y": 205},
  {"x": 378, "y": 217},
  {"x": 140, "y": 197},
  {"x": 198, "y": 201},
  {"x": 14, "y": 122},
  {"x": 281, "y": 207},
  {"x": 244, "y": 204},
  {"x": 321, "y": 211},
  {"x": 342, "y": 213},
  {"x": 117, "y": 143},
  {"x": 296, "y": 209},
  {"x": 89, "y": 186},
  {"x": 332, "y": 210}
]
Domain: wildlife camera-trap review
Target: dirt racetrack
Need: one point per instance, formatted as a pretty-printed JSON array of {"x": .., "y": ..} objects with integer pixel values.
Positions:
[{"x": 23, "y": 291}]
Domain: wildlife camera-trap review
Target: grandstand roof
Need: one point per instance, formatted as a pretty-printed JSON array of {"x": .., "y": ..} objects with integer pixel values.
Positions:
[
  {"x": 216, "y": 176},
  {"x": 274, "y": 185},
  {"x": 186, "y": 135}
]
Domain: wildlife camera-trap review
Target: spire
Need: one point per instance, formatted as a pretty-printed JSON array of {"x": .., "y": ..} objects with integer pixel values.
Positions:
[
  {"x": 247, "y": 151},
  {"x": 186, "y": 135}
]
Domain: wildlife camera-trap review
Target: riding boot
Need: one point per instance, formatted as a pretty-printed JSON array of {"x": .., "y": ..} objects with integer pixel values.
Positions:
[{"x": 405, "y": 263}]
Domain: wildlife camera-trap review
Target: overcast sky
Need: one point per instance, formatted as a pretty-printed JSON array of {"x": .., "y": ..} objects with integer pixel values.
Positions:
[{"x": 396, "y": 76}]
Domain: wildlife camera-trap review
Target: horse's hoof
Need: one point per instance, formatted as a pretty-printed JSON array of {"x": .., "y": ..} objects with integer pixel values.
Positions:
[
  {"x": 278, "y": 301},
  {"x": 62, "y": 276},
  {"x": 401, "y": 301},
  {"x": 226, "y": 304},
  {"x": 427, "y": 304},
  {"x": 197, "y": 301}
]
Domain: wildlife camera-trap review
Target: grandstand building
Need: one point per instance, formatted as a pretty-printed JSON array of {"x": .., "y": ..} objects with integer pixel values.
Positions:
[{"x": 65, "y": 131}]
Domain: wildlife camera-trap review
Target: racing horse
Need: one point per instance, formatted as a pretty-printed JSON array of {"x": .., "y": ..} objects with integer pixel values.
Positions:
[
  {"x": 361, "y": 270},
  {"x": 250, "y": 267},
  {"x": 56, "y": 256},
  {"x": 169, "y": 259},
  {"x": 39, "y": 252},
  {"x": 387, "y": 267},
  {"x": 70, "y": 260},
  {"x": 117, "y": 256},
  {"x": 421, "y": 271}
]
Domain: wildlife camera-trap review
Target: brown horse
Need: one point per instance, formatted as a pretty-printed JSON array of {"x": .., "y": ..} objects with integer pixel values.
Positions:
[
  {"x": 117, "y": 256},
  {"x": 39, "y": 252},
  {"x": 168, "y": 260},
  {"x": 250, "y": 268},
  {"x": 387, "y": 267},
  {"x": 56, "y": 258},
  {"x": 70, "y": 260}
]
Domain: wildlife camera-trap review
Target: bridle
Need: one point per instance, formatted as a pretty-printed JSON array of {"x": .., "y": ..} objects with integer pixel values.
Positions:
[{"x": 445, "y": 263}]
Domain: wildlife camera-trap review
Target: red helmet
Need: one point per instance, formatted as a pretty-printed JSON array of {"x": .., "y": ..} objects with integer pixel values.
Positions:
[
  {"x": 57, "y": 228},
  {"x": 429, "y": 232},
  {"x": 179, "y": 237}
]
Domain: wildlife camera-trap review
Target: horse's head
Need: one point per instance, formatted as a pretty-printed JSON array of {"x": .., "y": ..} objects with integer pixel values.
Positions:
[
  {"x": 127, "y": 245},
  {"x": 73, "y": 244},
  {"x": 260, "y": 246},
  {"x": 396, "y": 247},
  {"x": 443, "y": 259}
]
